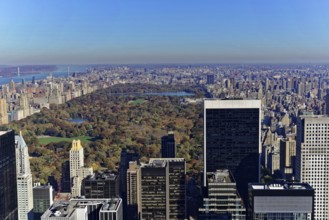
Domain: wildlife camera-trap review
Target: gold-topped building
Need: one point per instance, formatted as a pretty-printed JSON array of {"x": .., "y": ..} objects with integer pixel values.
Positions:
[{"x": 77, "y": 170}]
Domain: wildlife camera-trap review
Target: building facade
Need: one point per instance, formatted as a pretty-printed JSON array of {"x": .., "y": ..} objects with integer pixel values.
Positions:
[
  {"x": 125, "y": 158},
  {"x": 163, "y": 190},
  {"x": 312, "y": 159},
  {"x": 8, "y": 180},
  {"x": 3, "y": 112},
  {"x": 232, "y": 140},
  {"x": 223, "y": 201},
  {"x": 85, "y": 209},
  {"x": 77, "y": 170},
  {"x": 133, "y": 184},
  {"x": 42, "y": 199},
  {"x": 24, "y": 180},
  {"x": 293, "y": 201},
  {"x": 100, "y": 186},
  {"x": 168, "y": 146}
]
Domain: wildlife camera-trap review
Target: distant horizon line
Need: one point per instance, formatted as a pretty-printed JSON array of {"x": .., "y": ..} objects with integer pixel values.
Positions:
[{"x": 172, "y": 63}]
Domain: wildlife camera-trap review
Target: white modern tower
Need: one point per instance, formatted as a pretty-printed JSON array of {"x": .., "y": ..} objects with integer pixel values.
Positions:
[
  {"x": 24, "y": 180},
  {"x": 312, "y": 160}
]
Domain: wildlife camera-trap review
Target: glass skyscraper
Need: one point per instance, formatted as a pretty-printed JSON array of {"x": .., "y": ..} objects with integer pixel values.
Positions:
[
  {"x": 8, "y": 181},
  {"x": 232, "y": 140}
]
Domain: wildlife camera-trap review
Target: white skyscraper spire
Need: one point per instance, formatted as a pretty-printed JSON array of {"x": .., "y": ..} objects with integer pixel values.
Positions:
[
  {"x": 18, "y": 71},
  {"x": 24, "y": 180}
]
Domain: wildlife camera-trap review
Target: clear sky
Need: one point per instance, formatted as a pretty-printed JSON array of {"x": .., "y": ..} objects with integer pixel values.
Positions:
[{"x": 163, "y": 31}]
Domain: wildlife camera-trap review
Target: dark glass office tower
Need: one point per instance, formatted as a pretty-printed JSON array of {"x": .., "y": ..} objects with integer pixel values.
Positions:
[
  {"x": 100, "y": 186},
  {"x": 168, "y": 147},
  {"x": 8, "y": 183},
  {"x": 125, "y": 158},
  {"x": 232, "y": 140},
  {"x": 162, "y": 192}
]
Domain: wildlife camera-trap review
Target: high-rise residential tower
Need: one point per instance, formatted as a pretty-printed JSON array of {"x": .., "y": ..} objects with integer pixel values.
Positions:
[
  {"x": 3, "y": 112},
  {"x": 77, "y": 169},
  {"x": 232, "y": 140},
  {"x": 133, "y": 184},
  {"x": 168, "y": 147},
  {"x": 312, "y": 159},
  {"x": 162, "y": 191},
  {"x": 326, "y": 98},
  {"x": 8, "y": 180},
  {"x": 24, "y": 180}
]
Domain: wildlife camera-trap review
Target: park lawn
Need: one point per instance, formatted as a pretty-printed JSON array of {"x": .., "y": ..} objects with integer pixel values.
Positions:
[
  {"x": 137, "y": 101},
  {"x": 47, "y": 140}
]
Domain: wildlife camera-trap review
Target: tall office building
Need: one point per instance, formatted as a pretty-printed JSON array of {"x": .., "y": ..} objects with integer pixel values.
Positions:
[
  {"x": 3, "y": 112},
  {"x": 327, "y": 101},
  {"x": 287, "y": 158},
  {"x": 281, "y": 201},
  {"x": 100, "y": 186},
  {"x": 168, "y": 147},
  {"x": 77, "y": 170},
  {"x": 65, "y": 178},
  {"x": 223, "y": 201},
  {"x": 42, "y": 199},
  {"x": 125, "y": 158},
  {"x": 312, "y": 159},
  {"x": 163, "y": 190},
  {"x": 210, "y": 79},
  {"x": 133, "y": 184},
  {"x": 232, "y": 140},
  {"x": 24, "y": 180},
  {"x": 8, "y": 181}
]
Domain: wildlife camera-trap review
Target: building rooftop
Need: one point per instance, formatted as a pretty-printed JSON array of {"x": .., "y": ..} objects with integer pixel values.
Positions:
[
  {"x": 227, "y": 104},
  {"x": 67, "y": 208},
  {"x": 280, "y": 186},
  {"x": 161, "y": 162},
  {"x": 220, "y": 176},
  {"x": 3, "y": 132},
  {"x": 102, "y": 176},
  {"x": 19, "y": 141}
]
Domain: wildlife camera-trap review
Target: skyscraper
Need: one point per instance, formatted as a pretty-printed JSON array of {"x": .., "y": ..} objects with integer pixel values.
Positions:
[
  {"x": 163, "y": 190},
  {"x": 210, "y": 79},
  {"x": 8, "y": 181},
  {"x": 327, "y": 101},
  {"x": 312, "y": 159},
  {"x": 77, "y": 169},
  {"x": 125, "y": 158},
  {"x": 100, "y": 186},
  {"x": 287, "y": 158},
  {"x": 232, "y": 140},
  {"x": 42, "y": 199},
  {"x": 281, "y": 201},
  {"x": 168, "y": 147},
  {"x": 3, "y": 112},
  {"x": 224, "y": 201},
  {"x": 133, "y": 184},
  {"x": 24, "y": 180}
]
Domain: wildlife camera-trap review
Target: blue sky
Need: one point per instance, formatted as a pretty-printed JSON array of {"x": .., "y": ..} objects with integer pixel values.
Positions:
[{"x": 163, "y": 31}]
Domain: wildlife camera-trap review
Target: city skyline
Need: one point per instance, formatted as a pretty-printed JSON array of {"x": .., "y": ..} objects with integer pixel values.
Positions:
[{"x": 164, "y": 32}]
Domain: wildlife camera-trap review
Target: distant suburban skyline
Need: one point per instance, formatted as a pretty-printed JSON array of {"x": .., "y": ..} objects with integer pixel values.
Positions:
[{"x": 170, "y": 31}]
